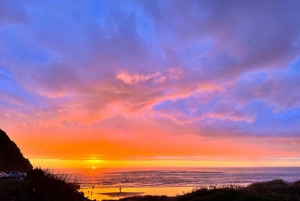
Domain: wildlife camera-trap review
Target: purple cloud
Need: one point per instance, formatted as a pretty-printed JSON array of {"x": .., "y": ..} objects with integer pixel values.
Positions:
[{"x": 212, "y": 68}]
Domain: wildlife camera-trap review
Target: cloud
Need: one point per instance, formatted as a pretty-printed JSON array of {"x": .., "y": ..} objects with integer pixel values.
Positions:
[
  {"x": 135, "y": 78},
  {"x": 217, "y": 70}
]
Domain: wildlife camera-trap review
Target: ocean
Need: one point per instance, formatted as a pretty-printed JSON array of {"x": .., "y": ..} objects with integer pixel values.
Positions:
[{"x": 99, "y": 183}]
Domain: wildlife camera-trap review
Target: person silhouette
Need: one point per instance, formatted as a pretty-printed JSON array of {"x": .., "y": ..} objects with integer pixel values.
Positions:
[{"x": 120, "y": 189}]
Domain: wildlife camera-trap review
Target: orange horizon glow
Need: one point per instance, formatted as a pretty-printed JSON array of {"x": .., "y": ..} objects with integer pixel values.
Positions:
[
  {"x": 75, "y": 164},
  {"x": 148, "y": 148},
  {"x": 88, "y": 151}
]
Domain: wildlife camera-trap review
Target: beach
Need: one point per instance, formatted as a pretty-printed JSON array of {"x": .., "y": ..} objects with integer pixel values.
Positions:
[
  {"x": 105, "y": 183},
  {"x": 113, "y": 193},
  {"x": 43, "y": 184}
]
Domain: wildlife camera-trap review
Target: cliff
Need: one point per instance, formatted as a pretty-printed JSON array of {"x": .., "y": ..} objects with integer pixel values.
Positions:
[{"x": 11, "y": 158}]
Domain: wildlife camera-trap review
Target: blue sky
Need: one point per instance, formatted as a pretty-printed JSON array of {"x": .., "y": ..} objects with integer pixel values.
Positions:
[{"x": 217, "y": 70}]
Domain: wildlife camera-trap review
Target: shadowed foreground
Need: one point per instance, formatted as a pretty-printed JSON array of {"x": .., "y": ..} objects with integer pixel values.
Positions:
[
  {"x": 5, "y": 187},
  {"x": 276, "y": 190},
  {"x": 11, "y": 157},
  {"x": 43, "y": 185}
]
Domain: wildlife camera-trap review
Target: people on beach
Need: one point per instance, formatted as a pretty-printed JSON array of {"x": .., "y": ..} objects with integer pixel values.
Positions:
[{"x": 120, "y": 189}]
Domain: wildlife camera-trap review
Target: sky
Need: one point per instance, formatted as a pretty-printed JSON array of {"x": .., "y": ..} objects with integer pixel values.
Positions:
[{"x": 151, "y": 83}]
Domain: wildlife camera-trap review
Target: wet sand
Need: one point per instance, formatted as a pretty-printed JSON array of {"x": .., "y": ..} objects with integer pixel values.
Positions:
[
  {"x": 122, "y": 194},
  {"x": 113, "y": 193}
]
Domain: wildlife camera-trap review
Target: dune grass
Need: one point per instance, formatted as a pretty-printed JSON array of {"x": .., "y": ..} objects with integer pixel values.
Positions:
[
  {"x": 276, "y": 190},
  {"x": 223, "y": 194},
  {"x": 44, "y": 185}
]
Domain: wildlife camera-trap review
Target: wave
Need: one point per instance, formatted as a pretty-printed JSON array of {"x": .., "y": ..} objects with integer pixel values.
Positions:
[{"x": 188, "y": 177}]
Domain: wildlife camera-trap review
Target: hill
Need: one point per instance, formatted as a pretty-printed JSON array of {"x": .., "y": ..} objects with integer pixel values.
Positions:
[{"x": 11, "y": 158}]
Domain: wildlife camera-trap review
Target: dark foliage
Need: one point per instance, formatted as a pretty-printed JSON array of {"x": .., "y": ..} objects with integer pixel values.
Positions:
[
  {"x": 148, "y": 198},
  {"x": 43, "y": 185},
  {"x": 223, "y": 194},
  {"x": 277, "y": 189}
]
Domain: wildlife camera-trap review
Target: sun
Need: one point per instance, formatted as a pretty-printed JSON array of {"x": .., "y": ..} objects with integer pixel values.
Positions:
[{"x": 93, "y": 167}]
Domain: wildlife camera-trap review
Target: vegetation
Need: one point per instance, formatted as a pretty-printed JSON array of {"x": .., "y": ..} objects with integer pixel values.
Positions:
[
  {"x": 276, "y": 190},
  {"x": 43, "y": 185}
]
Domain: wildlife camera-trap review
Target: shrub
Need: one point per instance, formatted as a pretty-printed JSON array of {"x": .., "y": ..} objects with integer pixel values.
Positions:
[{"x": 44, "y": 185}]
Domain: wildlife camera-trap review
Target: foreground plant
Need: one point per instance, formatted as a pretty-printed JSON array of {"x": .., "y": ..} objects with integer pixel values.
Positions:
[{"x": 44, "y": 185}]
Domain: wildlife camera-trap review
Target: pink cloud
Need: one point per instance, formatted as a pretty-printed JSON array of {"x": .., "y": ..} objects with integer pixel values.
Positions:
[
  {"x": 151, "y": 73},
  {"x": 135, "y": 78},
  {"x": 210, "y": 87}
]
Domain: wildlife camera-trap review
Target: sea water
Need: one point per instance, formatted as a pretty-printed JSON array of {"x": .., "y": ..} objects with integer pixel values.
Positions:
[{"x": 171, "y": 181}]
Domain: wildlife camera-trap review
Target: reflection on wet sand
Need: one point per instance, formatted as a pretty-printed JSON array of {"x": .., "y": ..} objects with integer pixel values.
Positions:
[
  {"x": 122, "y": 194},
  {"x": 109, "y": 193}
]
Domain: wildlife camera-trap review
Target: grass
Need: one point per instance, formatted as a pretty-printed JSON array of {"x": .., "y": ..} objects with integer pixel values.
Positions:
[
  {"x": 44, "y": 185},
  {"x": 224, "y": 194},
  {"x": 276, "y": 190}
]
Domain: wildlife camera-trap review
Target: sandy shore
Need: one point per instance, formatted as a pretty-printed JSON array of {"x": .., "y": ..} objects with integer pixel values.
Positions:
[
  {"x": 121, "y": 194},
  {"x": 113, "y": 193}
]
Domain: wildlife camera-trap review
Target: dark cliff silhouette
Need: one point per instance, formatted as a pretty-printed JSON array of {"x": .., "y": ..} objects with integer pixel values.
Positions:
[{"x": 11, "y": 158}]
